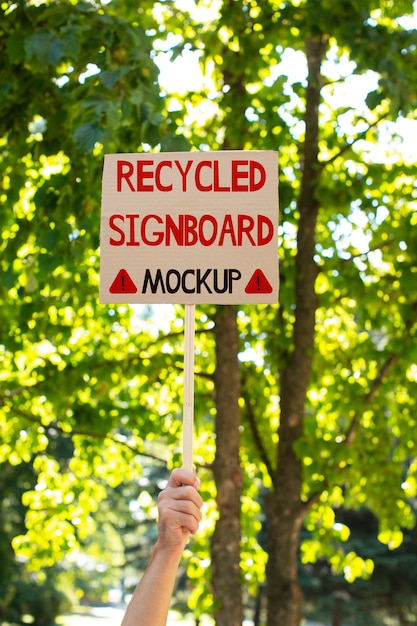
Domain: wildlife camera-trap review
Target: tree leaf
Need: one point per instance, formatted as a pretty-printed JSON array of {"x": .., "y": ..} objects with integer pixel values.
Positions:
[{"x": 87, "y": 136}]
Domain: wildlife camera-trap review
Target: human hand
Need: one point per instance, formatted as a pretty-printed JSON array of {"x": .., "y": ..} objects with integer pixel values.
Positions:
[{"x": 179, "y": 507}]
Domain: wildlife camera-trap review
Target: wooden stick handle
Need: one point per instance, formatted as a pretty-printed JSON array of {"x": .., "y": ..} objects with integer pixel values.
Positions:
[{"x": 188, "y": 409}]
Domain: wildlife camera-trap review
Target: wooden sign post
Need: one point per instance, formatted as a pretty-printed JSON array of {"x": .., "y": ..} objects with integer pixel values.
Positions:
[
  {"x": 190, "y": 228},
  {"x": 188, "y": 408}
]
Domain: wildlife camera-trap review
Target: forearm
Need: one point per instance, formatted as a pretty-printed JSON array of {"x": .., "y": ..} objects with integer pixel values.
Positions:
[
  {"x": 179, "y": 507},
  {"x": 151, "y": 599}
]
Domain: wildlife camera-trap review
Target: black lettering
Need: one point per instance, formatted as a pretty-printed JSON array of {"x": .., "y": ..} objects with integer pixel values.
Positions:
[
  {"x": 176, "y": 281},
  {"x": 216, "y": 286},
  {"x": 233, "y": 275},
  {"x": 201, "y": 280},
  {"x": 177, "y": 275},
  {"x": 153, "y": 285},
  {"x": 183, "y": 282}
]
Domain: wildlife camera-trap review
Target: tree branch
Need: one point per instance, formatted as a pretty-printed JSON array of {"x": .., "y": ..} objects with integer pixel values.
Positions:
[
  {"x": 350, "y": 144},
  {"x": 83, "y": 433},
  {"x": 255, "y": 433},
  {"x": 361, "y": 255}
]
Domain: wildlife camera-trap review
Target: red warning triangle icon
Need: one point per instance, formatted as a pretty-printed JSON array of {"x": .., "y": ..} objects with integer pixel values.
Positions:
[
  {"x": 123, "y": 283},
  {"x": 258, "y": 283}
]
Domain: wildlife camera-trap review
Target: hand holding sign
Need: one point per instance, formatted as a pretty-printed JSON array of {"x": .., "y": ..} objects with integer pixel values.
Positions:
[{"x": 190, "y": 228}]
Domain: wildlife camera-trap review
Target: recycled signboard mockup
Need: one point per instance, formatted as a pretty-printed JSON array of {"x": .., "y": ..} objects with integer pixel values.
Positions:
[{"x": 190, "y": 227}]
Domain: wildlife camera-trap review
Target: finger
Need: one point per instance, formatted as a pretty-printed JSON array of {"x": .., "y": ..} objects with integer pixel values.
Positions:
[
  {"x": 183, "y": 493},
  {"x": 183, "y": 500},
  {"x": 187, "y": 518},
  {"x": 181, "y": 476},
  {"x": 189, "y": 501}
]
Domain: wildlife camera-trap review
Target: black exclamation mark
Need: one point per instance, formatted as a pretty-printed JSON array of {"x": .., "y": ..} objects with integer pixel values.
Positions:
[
  {"x": 258, "y": 280},
  {"x": 123, "y": 282}
]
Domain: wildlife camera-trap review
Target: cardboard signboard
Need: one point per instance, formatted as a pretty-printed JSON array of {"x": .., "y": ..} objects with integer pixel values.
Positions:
[{"x": 190, "y": 227}]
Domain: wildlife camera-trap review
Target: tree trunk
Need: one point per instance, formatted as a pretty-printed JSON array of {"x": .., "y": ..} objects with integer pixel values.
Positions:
[
  {"x": 258, "y": 607},
  {"x": 225, "y": 546},
  {"x": 284, "y": 508},
  {"x": 337, "y": 611}
]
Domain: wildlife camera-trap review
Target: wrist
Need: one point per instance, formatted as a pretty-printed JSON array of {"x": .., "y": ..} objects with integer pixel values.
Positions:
[{"x": 167, "y": 552}]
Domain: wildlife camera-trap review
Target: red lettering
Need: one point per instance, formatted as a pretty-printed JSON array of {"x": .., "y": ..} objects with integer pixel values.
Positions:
[
  {"x": 113, "y": 226},
  {"x": 198, "y": 182},
  {"x": 204, "y": 240},
  {"x": 217, "y": 186},
  {"x": 254, "y": 168},
  {"x": 237, "y": 175},
  {"x": 183, "y": 173},
  {"x": 263, "y": 239},
  {"x": 227, "y": 229},
  {"x": 124, "y": 171},
  {"x": 132, "y": 218},
  {"x": 190, "y": 228},
  {"x": 207, "y": 175},
  {"x": 158, "y": 182},
  {"x": 142, "y": 174},
  {"x": 176, "y": 229},
  {"x": 158, "y": 235},
  {"x": 245, "y": 224}
]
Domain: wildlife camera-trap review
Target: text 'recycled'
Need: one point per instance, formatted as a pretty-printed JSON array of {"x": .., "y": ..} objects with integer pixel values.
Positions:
[{"x": 150, "y": 175}]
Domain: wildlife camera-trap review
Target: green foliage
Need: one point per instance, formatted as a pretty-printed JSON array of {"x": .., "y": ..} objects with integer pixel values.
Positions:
[
  {"x": 88, "y": 392},
  {"x": 22, "y": 593},
  {"x": 389, "y": 599}
]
